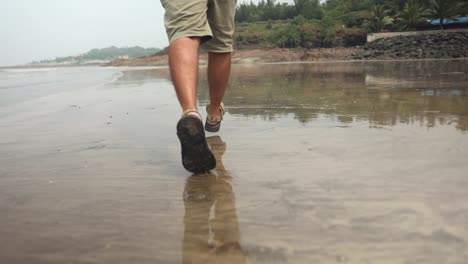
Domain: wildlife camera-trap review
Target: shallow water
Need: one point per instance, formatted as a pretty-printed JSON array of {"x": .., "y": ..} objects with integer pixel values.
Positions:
[{"x": 343, "y": 162}]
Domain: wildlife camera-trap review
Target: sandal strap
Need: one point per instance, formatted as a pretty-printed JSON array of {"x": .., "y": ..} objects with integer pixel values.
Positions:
[
  {"x": 216, "y": 118},
  {"x": 221, "y": 108},
  {"x": 188, "y": 111}
]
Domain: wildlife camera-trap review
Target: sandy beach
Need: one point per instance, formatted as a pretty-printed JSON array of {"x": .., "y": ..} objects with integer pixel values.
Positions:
[{"x": 326, "y": 162}]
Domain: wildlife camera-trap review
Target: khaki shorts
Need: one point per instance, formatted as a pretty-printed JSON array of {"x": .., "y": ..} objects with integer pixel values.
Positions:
[{"x": 211, "y": 20}]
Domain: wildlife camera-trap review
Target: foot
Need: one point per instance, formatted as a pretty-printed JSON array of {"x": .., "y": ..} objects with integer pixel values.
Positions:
[
  {"x": 196, "y": 154},
  {"x": 215, "y": 115}
]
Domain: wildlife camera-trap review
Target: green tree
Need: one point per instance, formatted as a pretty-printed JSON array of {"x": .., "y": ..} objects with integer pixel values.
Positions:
[
  {"x": 327, "y": 30},
  {"x": 308, "y": 8},
  {"x": 263, "y": 11},
  {"x": 412, "y": 14},
  {"x": 289, "y": 35},
  {"x": 351, "y": 13},
  {"x": 444, "y": 9},
  {"x": 379, "y": 18},
  {"x": 464, "y": 9}
]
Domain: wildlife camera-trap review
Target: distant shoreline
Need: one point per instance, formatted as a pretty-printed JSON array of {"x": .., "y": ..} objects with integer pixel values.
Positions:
[
  {"x": 51, "y": 66},
  {"x": 240, "y": 56},
  {"x": 255, "y": 55},
  {"x": 245, "y": 56}
]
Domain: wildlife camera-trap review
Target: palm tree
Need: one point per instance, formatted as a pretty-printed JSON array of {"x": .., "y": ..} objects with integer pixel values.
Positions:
[
  {"x": 412, "y": 14},
  {"x": 443, "y": 9},
  {"x": 379, "y": 18}
]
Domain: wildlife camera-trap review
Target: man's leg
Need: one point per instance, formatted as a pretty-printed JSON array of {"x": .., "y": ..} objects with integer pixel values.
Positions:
[
  {"x": 186, "y": 25},
  {"x": 219, "y": 69},
  {"x": 221, "y": 17},
  {"x": 183, "y": 63}
]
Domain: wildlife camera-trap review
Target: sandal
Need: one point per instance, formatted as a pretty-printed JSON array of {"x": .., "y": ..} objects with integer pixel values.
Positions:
[
  {"x": 215, "y": 120},
  {"x": 196, "y": 154}
]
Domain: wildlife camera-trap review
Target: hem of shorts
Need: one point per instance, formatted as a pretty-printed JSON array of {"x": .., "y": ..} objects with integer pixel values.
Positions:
[
  {"x": 203, "y": 35},
  {"x": 215, "y": 50}
]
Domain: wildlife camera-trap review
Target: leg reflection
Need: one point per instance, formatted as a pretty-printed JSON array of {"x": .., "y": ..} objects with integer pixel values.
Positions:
[{"x": 211, "y": 232}]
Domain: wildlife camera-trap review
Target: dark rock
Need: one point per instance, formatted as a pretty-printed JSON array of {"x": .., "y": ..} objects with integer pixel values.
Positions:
[
  {"x": 367, "y": 54},
  {"x": 440, "y": 45}
]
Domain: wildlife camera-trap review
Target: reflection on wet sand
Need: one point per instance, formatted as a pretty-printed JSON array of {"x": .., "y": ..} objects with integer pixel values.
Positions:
[
  {"x": 389, "y": 93},
  {"x": 428, "y": 93},
  {"x": 211, "y": 228}
]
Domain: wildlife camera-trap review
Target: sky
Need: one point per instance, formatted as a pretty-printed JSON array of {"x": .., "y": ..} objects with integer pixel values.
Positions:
[{"x": 44, "y": 29}]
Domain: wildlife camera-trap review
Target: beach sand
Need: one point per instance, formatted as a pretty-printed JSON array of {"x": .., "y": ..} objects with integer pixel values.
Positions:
[{"x": 336, "y": 162}]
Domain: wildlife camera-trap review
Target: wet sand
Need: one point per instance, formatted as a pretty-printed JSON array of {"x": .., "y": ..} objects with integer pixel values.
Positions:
[{"x": 346, "y": 162}]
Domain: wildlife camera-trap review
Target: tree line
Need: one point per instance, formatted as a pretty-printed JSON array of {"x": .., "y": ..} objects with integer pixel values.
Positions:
[
  {"x": 311, "y": 24},
  {"x": 109, "y": 53},
  {"x": 373, "y": 15}
]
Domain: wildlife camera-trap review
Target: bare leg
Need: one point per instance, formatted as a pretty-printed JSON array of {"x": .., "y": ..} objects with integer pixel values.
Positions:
[
  {"x": 183, "y": 63},
  {"x": 219, "y": 69}
]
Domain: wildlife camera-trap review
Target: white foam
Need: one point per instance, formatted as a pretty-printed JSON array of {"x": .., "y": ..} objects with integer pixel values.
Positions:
[{"x": 27, "y": 70}]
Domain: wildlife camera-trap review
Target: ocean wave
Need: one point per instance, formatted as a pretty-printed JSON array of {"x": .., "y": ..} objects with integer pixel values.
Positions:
[
  {"x": 27, "y": 70},
  {"x": 115, "y": 77}
]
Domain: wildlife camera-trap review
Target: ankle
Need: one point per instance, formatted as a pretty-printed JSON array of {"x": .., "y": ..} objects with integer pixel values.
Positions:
[
  {"x": 213, "y": 108},
  {"x": 193, "y": 112}
]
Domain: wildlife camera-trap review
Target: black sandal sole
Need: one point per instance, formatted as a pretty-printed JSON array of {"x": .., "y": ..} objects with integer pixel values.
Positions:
[
  {"x": 212, "y": 128},
  {"x": 217, "y": 126},
  {"x": 196, "y": 154}
]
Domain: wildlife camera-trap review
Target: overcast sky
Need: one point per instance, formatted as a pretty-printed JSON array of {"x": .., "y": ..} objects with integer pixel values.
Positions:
[{"x": 44, "y": 29}]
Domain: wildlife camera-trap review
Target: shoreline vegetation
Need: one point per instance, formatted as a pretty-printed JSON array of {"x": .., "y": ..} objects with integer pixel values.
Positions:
[
  {"x": 99, "y": 56},
  {"x": 308, "y": 30}
]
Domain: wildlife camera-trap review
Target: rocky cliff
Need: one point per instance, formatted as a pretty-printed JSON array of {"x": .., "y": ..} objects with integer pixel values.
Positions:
[{"x": 435, "y": 46}]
